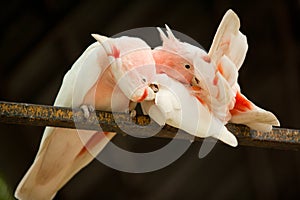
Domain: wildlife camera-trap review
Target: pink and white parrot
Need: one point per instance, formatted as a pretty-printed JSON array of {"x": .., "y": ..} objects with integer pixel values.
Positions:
[
  {"x": 192, "y": 65},
  {"x": 105, "y": 66},
  {"x": 176, "y": 105},
  {"x": 213, "y": 76}
]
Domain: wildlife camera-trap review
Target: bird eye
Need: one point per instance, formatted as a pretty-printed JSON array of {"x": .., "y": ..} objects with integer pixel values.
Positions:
[
  {"x": 187, "y": 66},
  {"x": 144, "y": 80}
]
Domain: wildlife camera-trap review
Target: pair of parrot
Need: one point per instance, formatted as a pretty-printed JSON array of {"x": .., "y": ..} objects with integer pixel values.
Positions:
[{"x": 177, "y": 84}]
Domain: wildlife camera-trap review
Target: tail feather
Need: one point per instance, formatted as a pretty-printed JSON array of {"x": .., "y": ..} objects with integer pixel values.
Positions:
[
  {"x": 256, "y": 118},
  {"x": 88, "y": 154},
  {"x": 56, "y": 163}
]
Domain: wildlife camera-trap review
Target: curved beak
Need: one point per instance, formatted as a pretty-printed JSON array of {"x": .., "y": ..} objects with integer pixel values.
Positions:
[{"x": 143, "y": 94}]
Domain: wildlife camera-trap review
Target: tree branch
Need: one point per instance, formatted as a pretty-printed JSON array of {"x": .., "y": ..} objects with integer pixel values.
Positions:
[{"x": 42, "y": 115}]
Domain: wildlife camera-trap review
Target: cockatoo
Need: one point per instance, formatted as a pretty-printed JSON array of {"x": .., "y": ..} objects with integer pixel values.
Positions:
[
  {"x": 175, "y": 105},
  {"x": 213, "y": 75},
  {"x": 106, "y": 66},
  {"x": 192, "y": 65}
]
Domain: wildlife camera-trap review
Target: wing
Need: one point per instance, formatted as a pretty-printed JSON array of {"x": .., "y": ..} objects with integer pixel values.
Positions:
[
  {"x": 229, "y": 41},
  {"x": 80, "y": 78},
  {"x": 217, "y": 86},
  {"x": 63, "y": 152},
  {"x": 224, "y": 101},
  {"x": 228, "y": 51}
]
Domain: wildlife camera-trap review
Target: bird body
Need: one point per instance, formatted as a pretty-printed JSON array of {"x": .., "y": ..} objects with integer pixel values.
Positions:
[
  {"x": 92, "y": 80},
  {"x": 213, "y": 75}
]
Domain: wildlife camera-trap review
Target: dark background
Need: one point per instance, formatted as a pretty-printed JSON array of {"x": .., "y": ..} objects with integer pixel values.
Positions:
[{"x": 41, "y": 39}]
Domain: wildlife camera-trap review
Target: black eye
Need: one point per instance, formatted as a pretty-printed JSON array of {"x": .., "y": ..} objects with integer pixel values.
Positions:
[
  {"x": 144, "y": 80},
  {"x": 187, "y": 66}
]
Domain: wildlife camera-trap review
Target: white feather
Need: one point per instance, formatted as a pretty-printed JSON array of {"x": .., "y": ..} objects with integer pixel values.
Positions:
[
  {"x": 162, "y": 34},
  {"x": 184, "y": 111},
  {"x": 238, "y": 48},
  {"x": 230, "y": 72},
  {"x": 224, "y": 101},
  {"x": 228, "y": 27}
]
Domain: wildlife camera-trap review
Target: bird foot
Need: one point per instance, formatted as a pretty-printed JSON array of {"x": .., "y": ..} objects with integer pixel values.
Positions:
[
  {"x": 87, "y": 110},
  {"x": 132, "y": 113}
]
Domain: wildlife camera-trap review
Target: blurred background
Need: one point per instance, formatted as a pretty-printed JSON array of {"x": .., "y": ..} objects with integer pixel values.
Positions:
[{"x": 40, "y": 40}]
